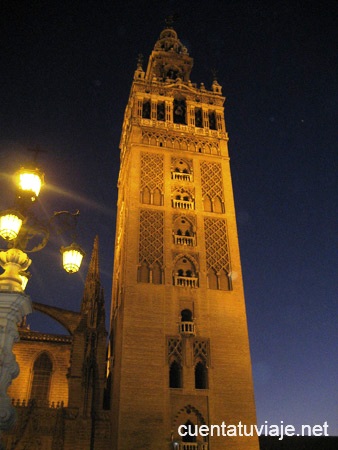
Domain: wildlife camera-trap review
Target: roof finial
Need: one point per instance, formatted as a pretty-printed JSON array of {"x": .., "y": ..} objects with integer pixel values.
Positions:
[
  {"x": 214, "y": 74},
  {"x": 139, "y": 61},
  {"x": 170, "y": 20},
  {"x": 36, "y": 151}
]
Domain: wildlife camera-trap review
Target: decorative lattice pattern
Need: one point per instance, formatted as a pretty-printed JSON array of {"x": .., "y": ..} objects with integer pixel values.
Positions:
[
  {"x": 174, "y": 349},
  {"x": 216, "y": 242},
  {"x": 169, "y": 140},
  {"x": 151, "y": 237},
  {"x": 211, "y": 180},
  {"x": 152, "y": 171},
  {"x": 201, "y": 350}
]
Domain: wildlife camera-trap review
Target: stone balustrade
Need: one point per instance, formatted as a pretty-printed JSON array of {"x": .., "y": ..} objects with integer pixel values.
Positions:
[
  {"x": 184, "y": 240},
  {"x": 183, "y": 204},
  {"x": 186, "y": 281}
]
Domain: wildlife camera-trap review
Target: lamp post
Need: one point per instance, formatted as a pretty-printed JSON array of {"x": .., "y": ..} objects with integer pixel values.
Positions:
[{"x": 24, "y": 233}]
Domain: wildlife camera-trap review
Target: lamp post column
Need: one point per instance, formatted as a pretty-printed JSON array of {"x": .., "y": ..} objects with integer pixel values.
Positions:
[{"x": 14, "y": 305}]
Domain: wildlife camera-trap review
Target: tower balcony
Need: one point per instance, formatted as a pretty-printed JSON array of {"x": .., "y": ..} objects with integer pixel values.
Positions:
[
  {"x": 181, "y": 176},
  {"x": 186, "y": 281},
  {"x": 186, "y": 328},
  {"x": 183, "y": 204},
  {"x": 184, "y": 240}
]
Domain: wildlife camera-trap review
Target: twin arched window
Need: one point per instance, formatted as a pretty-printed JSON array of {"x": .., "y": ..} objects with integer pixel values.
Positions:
[
  {"x": 150, "y": 273},
  {"x": 151, "y": 197},
  {"x": 214, "y": 204},
  {"x": 219, "y": 280},
  {"x": 175, "y": 375}
]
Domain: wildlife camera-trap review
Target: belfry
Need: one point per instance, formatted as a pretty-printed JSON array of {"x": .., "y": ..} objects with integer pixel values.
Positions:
[{"x": 179, "y": 350}]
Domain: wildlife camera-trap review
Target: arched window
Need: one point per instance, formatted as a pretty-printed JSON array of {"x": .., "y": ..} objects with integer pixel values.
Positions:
[
  {"x": 185, "y": 273},
  {"x": 42, "y": 374},
  {"x": 143, "y": 273},
  {"x": 182, "y": 167},
  {"x": 207, "y": 204},
  {"x": 182, "y": 199},
  {"x": 218, "y": 207},
  {"x": 189, "y": 437},
  {"x": 157, "y": 276},
  {"x": 146, "y": 196},
  {"x": 184, "y": 227},
  {"x": 187, "y": 326},
  {"x": 157, "y": 197},
  {"x": 146, "y": 108},
  {"x": 172, "y": 73},
  {"x": 224, "y": 281},
  {"x": 180, "y": 111},
  {"x": 185, "y": 268},
  {"x": 201, "y": 376},
  {"x": 160, "y": 111},
  {"x": 198, "y": 118},
  {"x": 175, "y": 375},
  {"x": 212, "y": 120},
  {"x": 212, "y": 279},
  {"x": 186, "y": 315}
]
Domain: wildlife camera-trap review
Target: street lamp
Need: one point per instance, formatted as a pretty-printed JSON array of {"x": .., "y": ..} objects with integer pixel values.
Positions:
[
  {"x": 29, "y": 182},
  {"x": 72, "y": 257},
  {"x": 10, "y": 224},
  {"x": 24, "y": 233}
]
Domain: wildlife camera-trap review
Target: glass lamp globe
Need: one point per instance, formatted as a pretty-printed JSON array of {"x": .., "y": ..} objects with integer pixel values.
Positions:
[
  {"x": 10, "y": 224},
  {"x": 72, "y": 257},
  {"x": 29, "y": 182}
]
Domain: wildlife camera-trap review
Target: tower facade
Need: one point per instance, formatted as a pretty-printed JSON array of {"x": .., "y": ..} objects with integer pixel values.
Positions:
[{"x": 179, "y": 352}]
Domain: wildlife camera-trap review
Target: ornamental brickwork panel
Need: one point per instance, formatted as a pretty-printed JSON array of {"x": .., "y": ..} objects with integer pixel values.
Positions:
[
  {"x": 201, "y": 350},
  {"x": 151, "y": 236},
  {"x": 152, "y": 172},
  {"x": 211, "y": 180},
  {"x": 216, "y": 242},
  {"x": 174, "y": 346}
]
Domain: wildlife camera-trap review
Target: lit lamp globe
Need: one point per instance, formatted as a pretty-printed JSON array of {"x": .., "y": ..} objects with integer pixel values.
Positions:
[
  {"x": 29, "y": 182},
  {"x": 10, "y": 224},
  {"x": 72, "y": 257}
]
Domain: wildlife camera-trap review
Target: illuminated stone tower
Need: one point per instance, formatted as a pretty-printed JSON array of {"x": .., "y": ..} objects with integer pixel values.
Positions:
[{"x": 179, "y": 343}]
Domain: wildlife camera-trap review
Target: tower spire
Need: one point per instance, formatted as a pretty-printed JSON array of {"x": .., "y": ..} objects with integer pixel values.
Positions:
[{"x": 93, "y": 294}]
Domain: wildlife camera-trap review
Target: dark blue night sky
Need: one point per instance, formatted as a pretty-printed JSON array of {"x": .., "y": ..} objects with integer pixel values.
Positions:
[{"x": 66, "y": 71}]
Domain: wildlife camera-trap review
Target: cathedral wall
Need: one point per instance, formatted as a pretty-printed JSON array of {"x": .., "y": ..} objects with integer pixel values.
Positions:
[{"x": 27, "y": 352}]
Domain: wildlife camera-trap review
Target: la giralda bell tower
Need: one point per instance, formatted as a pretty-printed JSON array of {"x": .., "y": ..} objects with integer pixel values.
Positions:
[{"x": 179, "y": 341}]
